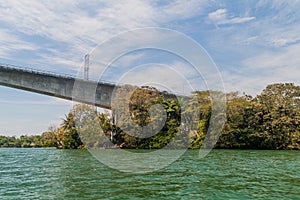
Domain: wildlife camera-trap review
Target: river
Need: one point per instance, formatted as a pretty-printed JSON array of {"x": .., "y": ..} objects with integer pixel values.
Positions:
[{"x": 222, "y": 174}]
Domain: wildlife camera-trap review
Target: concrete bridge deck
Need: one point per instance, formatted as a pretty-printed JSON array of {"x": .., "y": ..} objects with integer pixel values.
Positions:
[{"x": 61, "y": 86}]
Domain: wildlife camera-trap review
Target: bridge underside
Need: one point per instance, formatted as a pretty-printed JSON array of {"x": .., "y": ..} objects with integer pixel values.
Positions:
[{"x": 90, "y": 92}]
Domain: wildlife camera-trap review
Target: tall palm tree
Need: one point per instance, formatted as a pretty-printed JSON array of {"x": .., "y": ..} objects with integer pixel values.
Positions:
[{"x": 68, "y": 122}]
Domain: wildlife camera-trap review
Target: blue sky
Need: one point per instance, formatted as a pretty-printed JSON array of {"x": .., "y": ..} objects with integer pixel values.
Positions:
[{"x": 253, "y": 43}]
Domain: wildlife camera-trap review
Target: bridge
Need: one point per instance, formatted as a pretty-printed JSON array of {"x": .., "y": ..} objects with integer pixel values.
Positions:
[
  {"x": 61, "y": 85},
  {"x": 57, "y": 85}
]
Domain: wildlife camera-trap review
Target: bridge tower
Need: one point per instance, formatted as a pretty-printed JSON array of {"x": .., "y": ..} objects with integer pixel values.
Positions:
[{"x": 86, "y": 66}]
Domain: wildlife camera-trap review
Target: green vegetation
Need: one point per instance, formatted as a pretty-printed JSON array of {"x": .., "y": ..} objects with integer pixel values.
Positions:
[
  {"x": 271, "y": 120},
  {"x": 44, "y": 140}
]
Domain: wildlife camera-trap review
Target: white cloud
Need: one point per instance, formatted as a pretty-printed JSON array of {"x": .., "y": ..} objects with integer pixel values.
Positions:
[
  {"x": 10, "y": 43},
  {"x": 278, "y": 4},
  {"x": 79, "y": 26},
  {"x": 163, "y": 77},
  {"x": 248, "y": 40},
  {"x": 259, "y": 53},
  {"x": 264, "y": 68},
  {"x": 286, "y": 57},
  {"x": 65, "y": 23},
  {"x": 175, "y": 76},
  {"x": 220, "y": 16},
  {"x": 237, "y": 20},
  {"x": 179, "y": 9},
  {"x": 279, "y": 26},
  {"x": 285, "y": 37},
  {"x": 253, "y": 83}
]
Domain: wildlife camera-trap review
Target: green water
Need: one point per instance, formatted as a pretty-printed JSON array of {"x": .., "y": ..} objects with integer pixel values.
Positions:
[{"x": 223, "y": 174}]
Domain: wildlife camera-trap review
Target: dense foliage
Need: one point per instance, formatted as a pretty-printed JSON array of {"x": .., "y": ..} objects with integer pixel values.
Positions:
[
  {"x": 271, "y": 120},
  {"x": 45, "y": 140}
]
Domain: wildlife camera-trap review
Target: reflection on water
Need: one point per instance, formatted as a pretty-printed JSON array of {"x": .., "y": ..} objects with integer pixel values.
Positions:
[{"x": 223, "y": 174}]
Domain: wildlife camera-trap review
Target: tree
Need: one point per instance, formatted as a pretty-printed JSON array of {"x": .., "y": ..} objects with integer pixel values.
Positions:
[
  {"x": 236, "y": 130},
  {"x": 279, "y": 116},
  {"x": 202, "y": 103},
  {"x": 70, "y": 137}
]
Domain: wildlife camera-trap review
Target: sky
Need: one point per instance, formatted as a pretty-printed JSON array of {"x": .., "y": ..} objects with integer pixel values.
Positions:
[{"x": 252, "y": 43}]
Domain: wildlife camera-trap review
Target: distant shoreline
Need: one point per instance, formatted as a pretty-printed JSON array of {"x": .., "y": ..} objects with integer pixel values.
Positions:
[{"x": 146, "y": 149}]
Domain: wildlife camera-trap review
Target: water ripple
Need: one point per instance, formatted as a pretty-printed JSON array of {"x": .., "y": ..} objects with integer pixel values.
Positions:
[{"x": 223, "y": 174}]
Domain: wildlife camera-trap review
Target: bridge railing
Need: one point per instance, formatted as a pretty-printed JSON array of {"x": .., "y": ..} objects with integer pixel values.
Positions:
[
  {"x": 39, "y": 71},
  {"x": 45, "y": 72},
  {"x": 63, "y": 75}
]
